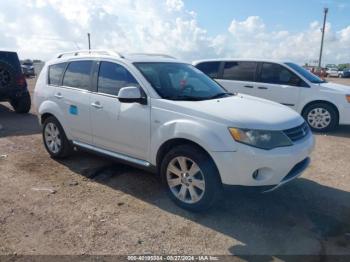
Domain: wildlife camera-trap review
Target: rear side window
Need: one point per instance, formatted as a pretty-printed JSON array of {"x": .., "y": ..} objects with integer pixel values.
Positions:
[
  {"x": 112, "y": 77},
  {"x": 55, "y": 73},
  {"x": 78, "y": 75},
  {"x": 211, "y": 69},
  {"x": 276, "y": 74},
  {"x": 241, "y": 71}
]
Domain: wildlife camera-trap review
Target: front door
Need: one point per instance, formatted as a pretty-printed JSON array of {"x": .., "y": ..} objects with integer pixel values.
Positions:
[
  {"x": 279, "y": 84},
  {"x": 119, "y": 127}
]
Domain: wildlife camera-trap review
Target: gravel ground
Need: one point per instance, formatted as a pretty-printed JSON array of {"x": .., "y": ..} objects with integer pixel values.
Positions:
[{"x": 92, "y": 205}]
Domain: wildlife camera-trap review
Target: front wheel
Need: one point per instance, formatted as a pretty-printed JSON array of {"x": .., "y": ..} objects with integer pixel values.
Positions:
[
  {"x": 55, "y": 140},
  {"x": 321, "y": 117},
  {"x": 191, "y": 178}
]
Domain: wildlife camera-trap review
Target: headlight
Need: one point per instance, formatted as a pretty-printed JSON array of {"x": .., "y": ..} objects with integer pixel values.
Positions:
[
  {"x": 260, "y": 138},
  {"x": 348, "y": 98}
]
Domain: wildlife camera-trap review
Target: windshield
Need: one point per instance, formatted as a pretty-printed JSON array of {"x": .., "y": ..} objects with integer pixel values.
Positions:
[
  {"x": 309, "y": 76},
  {"x": 176, "y": 81}
]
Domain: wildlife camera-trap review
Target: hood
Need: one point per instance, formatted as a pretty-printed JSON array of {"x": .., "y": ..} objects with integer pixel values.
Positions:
[
  {"x": 336, "y": 87},
  {"x": 241, "y": 111}
]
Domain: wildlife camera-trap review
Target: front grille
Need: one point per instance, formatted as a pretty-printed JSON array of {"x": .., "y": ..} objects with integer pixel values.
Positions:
[{"x": 298, "y": 132}]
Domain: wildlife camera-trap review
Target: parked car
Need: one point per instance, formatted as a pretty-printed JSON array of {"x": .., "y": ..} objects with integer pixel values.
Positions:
[
  {"x": 28, "y": 68},
  {"x": 13, "y": 86},
  {"x": 344, "y": 73},
  {"x": 332, "y": 72},
  {"x": 324, "y": 105},
  {"x": 320, "y": 72},
  {"x": 162, "y": 114}
]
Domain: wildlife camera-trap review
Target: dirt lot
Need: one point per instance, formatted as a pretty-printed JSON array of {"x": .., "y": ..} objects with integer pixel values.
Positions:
[{"x": 95, "y": 206}]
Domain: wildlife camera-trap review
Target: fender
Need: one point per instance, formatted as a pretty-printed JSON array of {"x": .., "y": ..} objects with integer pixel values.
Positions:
[
  {"x": 311, "y": 99},
  {"x": 50, "y": 107},
  {"x": 193, "y": 131}
]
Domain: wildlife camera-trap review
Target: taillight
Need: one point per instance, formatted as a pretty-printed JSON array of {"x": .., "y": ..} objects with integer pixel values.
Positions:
[{"x": 21, "y": 81}]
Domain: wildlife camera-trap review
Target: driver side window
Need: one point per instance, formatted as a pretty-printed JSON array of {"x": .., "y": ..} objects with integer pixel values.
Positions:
[
  {"x": 112, "y": 77},
  {"x": 277, "y": 74}
]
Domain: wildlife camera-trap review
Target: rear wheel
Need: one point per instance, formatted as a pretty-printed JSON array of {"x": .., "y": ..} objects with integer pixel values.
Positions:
[
  {"x": 191, "y": 178},
  {"x": 321, "y": 117},
  {"x": 22, "y": 104},
  {"x": 55, "y": 140}
]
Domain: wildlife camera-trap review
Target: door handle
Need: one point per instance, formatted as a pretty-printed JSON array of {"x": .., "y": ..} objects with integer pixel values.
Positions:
[
  {"x": 262, "y": 87},
  {"x": 249, "y": 86},
  {"x": 59, "y": 95},
  {"x": 97, "y": 105}
]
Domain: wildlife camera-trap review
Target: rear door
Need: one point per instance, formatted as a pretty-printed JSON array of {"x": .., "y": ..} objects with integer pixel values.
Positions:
[
  {"x": 239, "y": 76},
  {"x": 279, "y": 84},
  {"x": 211, "y": 68},
  {"x": 74, "y": 95}
]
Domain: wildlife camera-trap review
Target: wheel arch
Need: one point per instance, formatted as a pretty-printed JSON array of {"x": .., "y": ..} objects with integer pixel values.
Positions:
[
  {"x": 49, "y": 108},
  {"x": 171, "y": 143},
  {"x": 321, "y": 102},
  {"x": 45, "y": 116}
]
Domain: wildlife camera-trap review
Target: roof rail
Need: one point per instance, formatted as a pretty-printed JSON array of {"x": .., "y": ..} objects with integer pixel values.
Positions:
[
  {"x": 101, "y": 52},
  {"x": 150, "y": 54}
]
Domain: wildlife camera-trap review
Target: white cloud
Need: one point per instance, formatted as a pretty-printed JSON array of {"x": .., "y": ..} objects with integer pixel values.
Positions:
[
  {"x": 41, "y": 28},
  {"x": 175, "y": 5}
]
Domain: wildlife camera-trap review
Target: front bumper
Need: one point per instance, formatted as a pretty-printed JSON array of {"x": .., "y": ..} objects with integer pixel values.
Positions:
[
  {"x": 344, "y": 114},
  {"x": 275, "y": 167}
]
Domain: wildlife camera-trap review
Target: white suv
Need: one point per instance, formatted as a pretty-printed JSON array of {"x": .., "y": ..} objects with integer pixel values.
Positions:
[
  {"x": 324, "y": 105},
  {"x": 165, "y": 115}
]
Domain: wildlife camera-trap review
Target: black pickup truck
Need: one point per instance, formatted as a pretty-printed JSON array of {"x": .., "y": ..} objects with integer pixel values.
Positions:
[{"x": 13, "y": 85}]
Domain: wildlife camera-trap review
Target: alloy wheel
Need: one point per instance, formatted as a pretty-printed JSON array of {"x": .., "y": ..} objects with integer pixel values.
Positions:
[
  {"x": 319, "y": 118},
  {"x": 53, "y": 138},
  {"x": 185, "y": 179}
]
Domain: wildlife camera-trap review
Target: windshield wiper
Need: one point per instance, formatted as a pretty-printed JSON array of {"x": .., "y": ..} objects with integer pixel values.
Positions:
[
  {"x": 183, "y": 98},
  {"x": 220, "y": 95}
]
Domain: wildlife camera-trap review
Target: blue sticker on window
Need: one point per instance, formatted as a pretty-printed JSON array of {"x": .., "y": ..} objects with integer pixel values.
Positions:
[{"x": 73, "y": 110}]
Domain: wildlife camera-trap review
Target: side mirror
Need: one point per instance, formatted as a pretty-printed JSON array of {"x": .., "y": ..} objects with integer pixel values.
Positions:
[{"x": 131, "y": 94}]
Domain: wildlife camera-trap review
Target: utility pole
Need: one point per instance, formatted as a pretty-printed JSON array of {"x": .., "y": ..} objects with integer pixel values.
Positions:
[
  {"x": 88, "y": 35},
  {"x": 323, "y": 31}
]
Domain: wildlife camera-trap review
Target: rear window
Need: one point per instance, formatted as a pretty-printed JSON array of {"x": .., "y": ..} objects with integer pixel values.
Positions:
[
  {"x": 55, "y": 73},
  {"x": 211, "y": 69},
  {"x": 241, "y": 71},
  {"x": 78, "y": 75}
]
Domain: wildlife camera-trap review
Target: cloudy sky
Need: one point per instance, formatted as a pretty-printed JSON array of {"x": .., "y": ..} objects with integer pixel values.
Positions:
[{"x": 188, "y": 29}]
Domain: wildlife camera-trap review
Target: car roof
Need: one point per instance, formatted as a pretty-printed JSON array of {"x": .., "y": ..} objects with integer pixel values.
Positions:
[
  {"x": 239, "y": 59},
  {"x": 111, "y": 55}
]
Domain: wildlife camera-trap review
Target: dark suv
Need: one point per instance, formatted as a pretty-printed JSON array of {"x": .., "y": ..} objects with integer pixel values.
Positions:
[{"x": 13, "y": 85}]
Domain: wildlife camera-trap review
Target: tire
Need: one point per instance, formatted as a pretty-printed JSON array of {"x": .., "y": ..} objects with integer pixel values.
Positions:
[
  {"x": 321, "y": 117},
  {"x": 196, "y": 192},
  {"x": 63, "y": 147},
  {"x": 340, "y": 76},
  {"x": 21, "y": 105}
]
